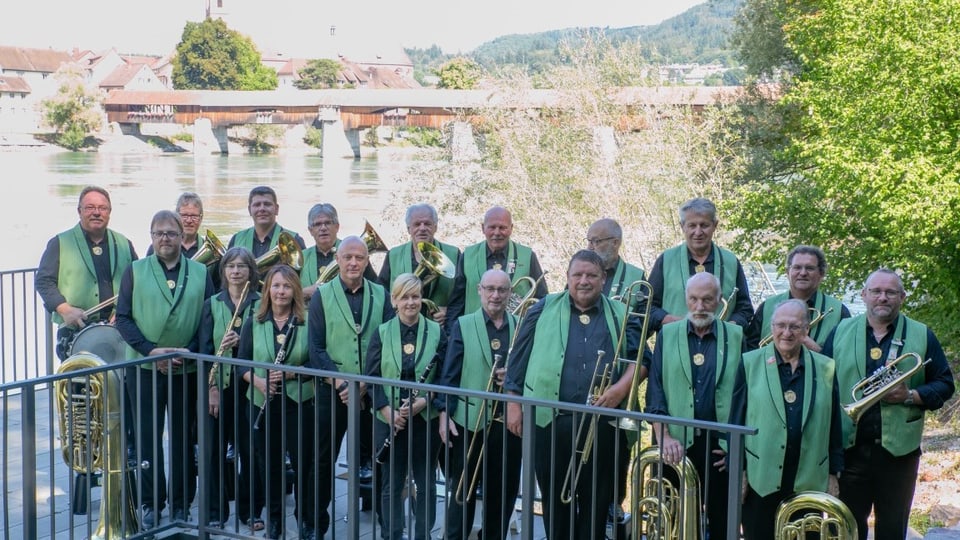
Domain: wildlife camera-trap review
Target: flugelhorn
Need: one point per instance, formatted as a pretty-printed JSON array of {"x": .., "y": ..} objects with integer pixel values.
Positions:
[
  {"x": 660, "y": 509},
  {"x": 287, "y": 251},
  {"x": 581, "y": 455},
  {"x": 873, "y": 387},
  {"x": 90, "y": 439},
  {"x": 374, "y": 244},
  {"x": 826, "y": 515},
  {"x": 212, "y": 250}
]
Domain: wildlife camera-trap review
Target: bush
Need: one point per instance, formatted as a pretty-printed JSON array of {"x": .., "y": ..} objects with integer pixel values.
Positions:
[
  {"x": 183, "y": 137},
  {"x": 313, "y": 137}
]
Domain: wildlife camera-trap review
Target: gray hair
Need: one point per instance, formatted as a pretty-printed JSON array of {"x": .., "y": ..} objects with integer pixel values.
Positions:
[
  {"x": 699, "y": 206},
  {"x": 809, "y": 250},
  {"x": 189, "y": 197},
  {"x": 610, "y": 225},
  {"x": 799, "y": 304},
  {"x": 322, "y": 209},
  {"x": 166, "y": 215},
  {"x": 705, "y": 275},
  {"x": 417, "y": 207}
]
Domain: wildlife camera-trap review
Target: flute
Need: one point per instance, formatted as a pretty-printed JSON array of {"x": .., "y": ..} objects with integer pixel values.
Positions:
[
  {"x": 281, "y": 356},
  {"x": 211, "y": 381},
  {"x": 383, "y": 454}
]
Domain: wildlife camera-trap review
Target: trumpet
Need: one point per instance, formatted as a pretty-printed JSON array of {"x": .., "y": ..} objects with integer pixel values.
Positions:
[
  {"x": 873, "y": 387},
  {"x": 726, "y": 304},
  {"x": 460, "y": 496},
  {"x": 516, "y": 302},
  {"x": 581, "y": 456},
  {"x": 278, "y": 360},
  {"x": 815, "y": 317},
  {"x": 212, "y": 380}
]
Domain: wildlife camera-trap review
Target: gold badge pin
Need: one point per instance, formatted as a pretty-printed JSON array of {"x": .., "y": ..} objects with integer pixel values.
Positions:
[
  {"x": 700, "y": 268},
  {"x": 876, "y": 353},
  {"x": 497, "y": 266},
  {"x": 237, "y": 323},
  {"x": 789, "y": 396},
  {"x": 495, "y": 344},
  {"x": 281, "y": 338},
  {"x": 584, "y": 318},
  {"x": 408, "y": 348},
  {"x": 699, "y": 359},
  {"x": 97, "y": 250},
  {"x": 171, "y": 283}
]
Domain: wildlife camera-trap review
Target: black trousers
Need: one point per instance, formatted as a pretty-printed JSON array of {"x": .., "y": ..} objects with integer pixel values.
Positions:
[
  {"x": 499, "y": 475},
  {"x": 288, "y": 427},
  {"x": 585, "y": 517},
  {"x": 875, "y": 479},
  {"x": 153, "y": 398},
  {"x": 331, "y": 427},
  {"x": 413, "y": 452}
]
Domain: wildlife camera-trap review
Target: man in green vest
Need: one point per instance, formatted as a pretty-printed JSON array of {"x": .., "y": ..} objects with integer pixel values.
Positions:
[
  {"x": 262, "y": 237},
  {"x": 421, "y": 221},
  {"x": 806, "y": 268},
  {"x": 789, "y": 393},
  {"x": 563, "y": 338},
  {"x": 476, "y": 360},
  {"x": 323, "y": 223},
  {"x": 158, "y": 312},
  {"x": 882, "y": 450},
  {"x": 342, "y": 316},
  {"x": 81, "y": 268},
  {"x": 496, "y": 252},
  {"x": 692, "y": 376},
  {"x": 697, "y": 253}
]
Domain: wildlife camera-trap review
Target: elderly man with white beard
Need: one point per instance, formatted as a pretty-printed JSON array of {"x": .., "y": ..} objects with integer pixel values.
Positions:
[{"x": 702, "y": 353}]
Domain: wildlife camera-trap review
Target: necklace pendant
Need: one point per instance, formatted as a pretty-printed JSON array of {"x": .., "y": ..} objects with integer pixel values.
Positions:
[
  {"x": 875, "y": 353},
  {"x": 584, "y": 318},
  {"x": 789, "y": 396},
  {"x": 409, "y": 348},
  {"x": 97, "y": 250},
  {"x": 699, "y": 359},
  {"x": 700, "y": 268}
]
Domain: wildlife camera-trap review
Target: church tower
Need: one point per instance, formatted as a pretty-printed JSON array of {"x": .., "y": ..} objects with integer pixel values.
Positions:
[{"x": 215, "y": 9}]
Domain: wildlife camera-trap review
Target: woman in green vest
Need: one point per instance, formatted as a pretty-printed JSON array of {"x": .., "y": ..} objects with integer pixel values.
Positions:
[
  {"x": 223, "y": 315},
  {"x": 407, "y": 348},
  {"x": 283, "y": 407}
]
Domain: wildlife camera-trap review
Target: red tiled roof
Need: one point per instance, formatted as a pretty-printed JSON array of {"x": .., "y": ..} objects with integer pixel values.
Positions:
[
  {"x": 119, "y": 77},
  {"x": 14, "y": 84},
  {"x": 38, "y": 60}
]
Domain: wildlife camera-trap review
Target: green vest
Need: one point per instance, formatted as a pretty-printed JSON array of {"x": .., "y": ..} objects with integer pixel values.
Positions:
[
  {"x": 676, "y": 272},
  {"x": 475, "y": 264},
  {"x": 623, "y": 275},
  {"x": 401, "y": 258},
  {"x": 901, "y": 425},
  {"x": 548, "y": 352},
  {"x": 77, "y": 277},
  {"x": 345, "y": 345},
  {"x": 167, "y": 318},
  {"x": 221, "y": 318},
  {"x": 477, "y": 364},
  {"x": 678, "y": 378},
  {"x": 765, "y": 451},
  {"x": 391, "y": 357},
  {"x": 310, "y": 273},
  {"x": 297, "y": 355},
  {"x": 822, "y": 302},
  {"x": 245, "y": 237}
]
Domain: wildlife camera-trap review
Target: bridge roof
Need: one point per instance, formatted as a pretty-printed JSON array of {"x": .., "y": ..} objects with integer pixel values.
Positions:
[{"x": 422, "y": 99}]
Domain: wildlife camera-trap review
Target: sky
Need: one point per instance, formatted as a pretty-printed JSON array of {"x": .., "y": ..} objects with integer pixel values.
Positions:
[{"x": 297, "y": 27}]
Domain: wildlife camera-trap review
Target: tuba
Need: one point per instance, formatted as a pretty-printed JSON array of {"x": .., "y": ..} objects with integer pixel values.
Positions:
[
  {"x": 287, "y": 252},
  {"x": 660, "y": 509},
  {"x": 212, "y": 250},
  {"x": 825, "y": 515},
  {"x": 873, "y": 387},
  {"x": 90, "y": 439},
  {"x": 434, "y": 263}
]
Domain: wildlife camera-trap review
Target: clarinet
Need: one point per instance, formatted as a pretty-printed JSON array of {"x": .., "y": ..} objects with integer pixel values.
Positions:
[
  {"x": 281, "y": 356},
  {"x": 383, "y": 454}
]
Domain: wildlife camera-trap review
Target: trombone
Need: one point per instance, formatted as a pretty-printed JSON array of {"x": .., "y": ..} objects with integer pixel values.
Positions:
[
  {"x": 515, "y": 303},
  {"x": 726, "y": 304},
  {"x": 580, "y": 457},
  {"x": 627, "y": 297},
  {"x": 461, "y": 496},
  {"x": 815, "y": 317}
]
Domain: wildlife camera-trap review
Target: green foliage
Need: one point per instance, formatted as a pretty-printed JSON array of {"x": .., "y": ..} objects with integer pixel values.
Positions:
[
  {"x": 318, "y": 74},
  {"x": 371, "y": 138},
  {"x": 262, "y": 137},
  {"x": 211, "y": 56},
  {"x": 461, "y": 73},
  {"x": 869, "y": 168},
  {"x": 922, "y": 522},
  {"x": 759, "y": 39},
  {"x": 422, "y": 137},
  {"x": 426, "y": 61},
  {"x": 74, "y": 112},
  {"x": 313, "y": 137},
  {"x": 183, "y": 136}
]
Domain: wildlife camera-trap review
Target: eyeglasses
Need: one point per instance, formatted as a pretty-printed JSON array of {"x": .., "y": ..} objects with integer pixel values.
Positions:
[
  {"x": 169, "y": 235},
  {"x": 490, "y": 289},
  {"x": 191, "y": 217},
  {"x": 792, "y": 328},
  {"x": 598, "y": 241},
  {"x": 236, "y": 266},
  {"x": 801, "y": 268},
  {"x": 889, "y": 293},
  {"x": 318, "y": 224},
  {"x": 89, "y": 209}
]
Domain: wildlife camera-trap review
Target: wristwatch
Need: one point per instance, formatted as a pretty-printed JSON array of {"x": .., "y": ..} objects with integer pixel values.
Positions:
[{"x": 909, "y": 400}]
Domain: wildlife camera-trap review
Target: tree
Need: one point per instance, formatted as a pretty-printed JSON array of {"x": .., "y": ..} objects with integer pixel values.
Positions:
[
  {"x": 317, "y": 74},
  {"x": 459, "y": 74},
  {"x": 211, "y": 56},
  {"x": 875, "y": 164},
  {"x": 74, "y": 112}
]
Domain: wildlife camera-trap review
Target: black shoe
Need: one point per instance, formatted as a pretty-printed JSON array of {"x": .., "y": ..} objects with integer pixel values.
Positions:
[
  {"x": 615, "y": 513},
  {"x": 308, "y": 533},
  {"x": 365, "y": 473},
  {"x": 180, "y": 515},
  {"x": 148, "y": 519},
  {"x": 231, "y": 452},
  {"x": 275, "y": 530},
  {"x": 215, "y": 524}
]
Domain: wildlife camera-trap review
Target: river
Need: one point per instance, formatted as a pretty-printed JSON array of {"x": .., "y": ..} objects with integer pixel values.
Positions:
[{"x": 43, "y": 190}]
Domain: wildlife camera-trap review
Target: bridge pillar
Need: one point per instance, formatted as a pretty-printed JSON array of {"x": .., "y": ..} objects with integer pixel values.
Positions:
[
  {"x": 606, "y": 144},
  {"x": 208, "y": 139},
  {"x": 337, "y": 141},
  {"x": 462, "y": 145}
]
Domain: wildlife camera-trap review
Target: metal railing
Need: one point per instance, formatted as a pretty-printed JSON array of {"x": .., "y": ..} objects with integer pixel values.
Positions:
[
  {"x": 26, "y": 331},
  {"x": 43, "y": 493}
]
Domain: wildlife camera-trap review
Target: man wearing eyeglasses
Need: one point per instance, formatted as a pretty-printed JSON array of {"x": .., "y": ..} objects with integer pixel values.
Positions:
[
  {"x": 158, "y": 312},
  {"x": 496, "y": 252},
  {"x": 882, "y": 450},
  {"x": 789, "y": 393},
  {"x": 81, "y": 268},
  {"x": 190, "y": 209},
  {"x": 323, "y": 222},
  {"x": 806, "y": 268}
]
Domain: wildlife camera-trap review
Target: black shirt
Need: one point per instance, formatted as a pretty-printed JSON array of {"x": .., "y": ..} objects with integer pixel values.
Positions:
[
  {"x": 408, "y": 335},
  {"x": 753, "y": 330},
  {"x": 453, "y": 363},
  {"x": 704, "y": 376},
  {"x": 319, "y": 357}
]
